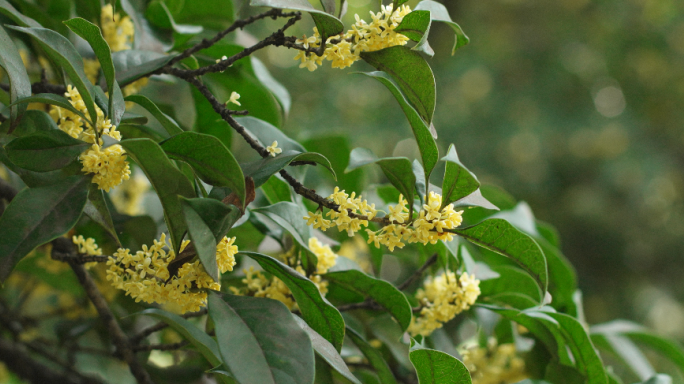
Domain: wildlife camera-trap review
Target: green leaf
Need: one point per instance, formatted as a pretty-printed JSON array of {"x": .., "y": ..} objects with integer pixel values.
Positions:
[
  {"x": 130, "y": 118},
  {"x": 38, "y": 215},
  {"x": 500, "y": 236},
  {"x": 658, "y": 379},
  {"x": 266, "y": 133},
  {"x": 278, "y": 90},
  {"x": 276, "y": 190},
  {"x": 158, "y": 14},
  {"x": 511, "y": 280},
  {"x": 62, "y": 52},
  {"x": 166, "y": 179},
  {"x": 8, "y": 10},
  {"x": 436, "y": 367},
  {"x": 380, "y": 291},
  {"x": 587, "y": 359},
  {"x": 44, "y": 151},
  {"x": 212, "y": 14},
  {"x": 209, "y": 122},
  {"x": 212, "y": 161},
  {"x": 52, "y": 99},
  {"x": 132, "y": 64},
  {"x": 34, "y": 121},
  {"x": 412, "y": 74},
  {"x": 426, "y": 142},
  {"x": 290, "y": 216},
  {"x": 327, "y": 25},
  {"x": 327, "y": 351},
  {"x": 374, "y": 358},
  {"x": 167, "y": 122},
  {"x": 92, "y": 34},
  {"x": 20, "y": 85},
  {"x": 204, "y": 343},
  {"x": 398, "y": 170},
  {"x": 96, "y": 208},
  {"x": 458, "y": 182},
  {"x": 398, "y": 3},
  {"x": 626, "y": 351},
  {"x": 208, "y": 220},
  {"x": 260, "y": 341},
  {"x": 414, "y": 25},
  {"x": 261, "y": 170},
  {"x": 438, "y": 12},
  {"x": 316, "y": 311}
]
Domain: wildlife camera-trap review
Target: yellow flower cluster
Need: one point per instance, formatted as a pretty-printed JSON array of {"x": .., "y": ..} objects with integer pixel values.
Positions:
[
  {"x": 442, "y": 298},
  {"x": 427, "y": 228},
  {"x": 344, "y": 50},
  {"x": 258, "y": 285},
  {"x": 495, "y": 364},
  {"x": 144, "y": 275},
  {"x": 109, "y": 164},
  {"x": 342, "y": 220}
]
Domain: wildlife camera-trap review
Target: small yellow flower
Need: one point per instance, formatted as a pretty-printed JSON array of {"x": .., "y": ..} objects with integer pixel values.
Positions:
[
  {"x": 273, "y": 149},
  {"x": 234, "y": 97}
]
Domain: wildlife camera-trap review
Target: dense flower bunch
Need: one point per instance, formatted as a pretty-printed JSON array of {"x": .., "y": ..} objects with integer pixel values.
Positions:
[
  {"x": 342, "y": 219},
  {"x": 344, "y": 50},
  {"x": 494, "y": 364},
  {"x": 109, "y": 164},
  {"x": 145, "y": 275},
  {"x": 258, "y": 285},
  {"x": 442, "y": 298}
]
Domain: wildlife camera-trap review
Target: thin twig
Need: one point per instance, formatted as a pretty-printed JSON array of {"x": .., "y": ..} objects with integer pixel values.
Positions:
[
  {"x": 161, "y": 325},
  {"x": 123, "y": 347},
  {"x": 418, "y": 273}
]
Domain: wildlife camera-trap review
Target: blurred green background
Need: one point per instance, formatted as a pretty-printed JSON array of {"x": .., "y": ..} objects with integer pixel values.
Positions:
[{"x": 574, "y": 106}]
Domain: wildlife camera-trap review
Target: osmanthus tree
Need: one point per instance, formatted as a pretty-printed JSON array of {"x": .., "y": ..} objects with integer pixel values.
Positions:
[{"x": 236, "y": 269}]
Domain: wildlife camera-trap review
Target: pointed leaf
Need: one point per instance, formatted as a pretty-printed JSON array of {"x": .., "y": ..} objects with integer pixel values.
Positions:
[
  {"x": 132, "y": 64},
  {"x": 20, "y": 85},
  {"x": 438, "y": 12},
  {"x": 327, "y": 24},
  {"x": 414, "y": 25},
  {"x": 316, "y": 311},
  {"x": 8, "y": 10},
  {"x": 278, "y": 90},
  {"x": 501, "y": 237},
  {"x": 398, "y": 170},
  {"x": 44, "y": 151},
  {"x": 166, "y": 179},
  {"x": 52, "y": 99},
  {"x": 96, "y": 208},
  {"x": 382, "y": 292},
  {"x": 262, "y": 170},
  {"x": 586, "y": 357},
  {"x": 276, "y": 190},
  {"x": 511, "y": 280},
  {"x": 266, "y": 133},
  {"x": 374, "y": 358},
  {"x": 426, "y": 142},
  {"x": 260, "y": 342},
  {"x": 458, "y": 182},
  {"x": 38, "y": 215},
  {"x": 436, "y": 367},
  {"x": 167, "y": 122}
]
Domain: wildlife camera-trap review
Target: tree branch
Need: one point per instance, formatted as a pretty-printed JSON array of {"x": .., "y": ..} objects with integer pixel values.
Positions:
[
  {"x": 161, "y": 325},
  {"x": 119, "y": 338},
  {"x": 418, "y": 273}
]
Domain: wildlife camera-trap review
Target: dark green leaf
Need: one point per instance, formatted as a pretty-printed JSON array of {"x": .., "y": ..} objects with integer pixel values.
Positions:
[
  {"x": 374, "y": 358},
  {"x": 44, "y": 151},
  {"x": 34, "y": 121},
  {"x": 8, "y": 10},
  {"x": 316, "y": 311},
  {"x": 212, "y": 161},
  {"x": 260, "y": 342},
  {"x": 204, "y": 343},
  {"x": 212, "y": 14},
  {"x": 38, "y": 215},
  {"x": 398, "y": 3},
  {"x": 426, "y": 142},
  {"x": 414, "y": 25},
  {"x": 262, "y": 169},
  {"x": 398, "y": 170},
  {"x": 266, "y": 133},
  {"x": 158, "y": 14},
  {"x": 586, "y": 358},
  {"x": 412, "y": 74},
  {"x": 133, "y": 64},
  {"x": 276, "y": 190},
  {"x": 436, "y": 367},
  {"x": 289, "y": 216},
  {"x": 218, "y": 216},
  {"x": 52, "y": 99},
  {"x": 92, "y": 34},
  {"x": 501, "y": 237},
  {"x": 327, "y": 351},
  {"x": 327, "y": 25},
  {"x": 167, "y": 122},
  {"x": 458, "y": 182},
  {"x": 96, "y": 208},
  {"x": 510, "y": 280},
  {"x": 438, "y": 12},
  {"x": 62, "y": 52},
  {"x": 209, "y": 122},
  {"x": 20, "y": 85},
  {"x": 166, "y": 179},
  {"x": 380, "y": 291},
  {"x": 130, "y": 118}
]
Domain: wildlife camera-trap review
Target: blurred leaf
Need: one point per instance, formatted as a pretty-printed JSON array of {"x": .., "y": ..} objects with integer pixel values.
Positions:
[
  {"x": 435, "y": 367},
  {"x": 209, "y": 122},
  {"x": 158, "y": 14},
  {"x": 276, "y": 190},
  {"x": 166, "y": 179},
  {"x": 96, "y": 208},
  {"x": 328, "y": 6},
  {"x": 281, "y": 93},
  {"x": 379, "y": 290},
  {"x": 261, "y": 170},
  {"x": 500, "y": 236},
  {"x": 44, "y": 151},
  {"x": 41, "y": 179},
  {"x": 92, "y": 34},
  {"x": 316, "y": 311},
  {"x": 167, "y": 122},
  {"x": 659, "y": 379},
  {"x": 132, "y": 64},
  {"x": 327, "y": 351},
  {"x": 212, "y": 14},
  {"x": 438, "y": 12},
  {"x": 586, "y": 357},
  {"x": 411, "y": 73},
  {"x": 20, "y": 85},
  {"x": 130, "y": 118},
  {"x": 327, "y": 25},
  {"x": 374, "y": 357},
  {"x": 398, "y": 170},
  {"x": 625, "y": 350},
  {"x": 39, "y": 215},
  {"x": 8, "y": 10},
  {"x": 458, "y": 182},
  {"x": 62, "y": 52},
  {"x": 34, "y": 121},
  {"x": 426, "y": 142},
  {"x": 202, "y": 239},
  {"x": 337, "y": 148}
]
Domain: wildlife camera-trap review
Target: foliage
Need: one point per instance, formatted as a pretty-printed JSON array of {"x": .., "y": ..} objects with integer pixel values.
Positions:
[{"x": 420, "y": 283}]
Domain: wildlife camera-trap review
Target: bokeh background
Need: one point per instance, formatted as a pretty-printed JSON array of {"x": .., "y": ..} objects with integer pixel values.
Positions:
[{"x": 574, "y": 106}]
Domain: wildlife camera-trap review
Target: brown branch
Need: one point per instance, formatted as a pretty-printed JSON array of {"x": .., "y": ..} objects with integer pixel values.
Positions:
[
  {"x": 160, "y": 347},
  {"x": 161, "y": 325},
  {"x": 418, "y": 273},
  {"x": 123, "y": 347}
]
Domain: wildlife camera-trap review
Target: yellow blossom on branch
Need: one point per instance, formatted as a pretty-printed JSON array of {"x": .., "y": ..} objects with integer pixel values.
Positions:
[
  {"x": 273, "y": 149},
  {"x": 496, "y": 364}
]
